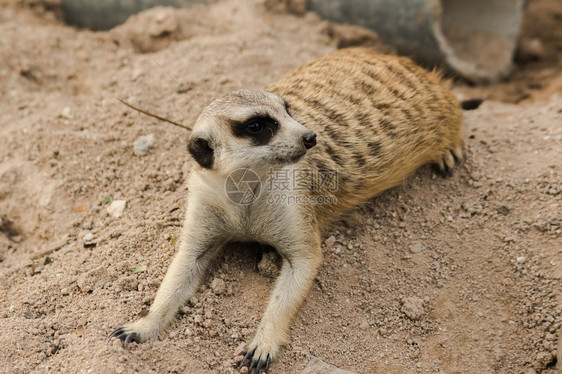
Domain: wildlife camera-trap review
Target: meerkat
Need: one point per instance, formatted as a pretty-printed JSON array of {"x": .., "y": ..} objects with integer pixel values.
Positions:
[{"x": 366, "y": 120}]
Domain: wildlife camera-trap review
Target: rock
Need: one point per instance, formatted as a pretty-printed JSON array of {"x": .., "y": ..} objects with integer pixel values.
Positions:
[
  {"x": 330, "y": 241},
  {"x": 543, "y": 360},
  {"x": 143, "y": 144},
  {"x": 239, "y": 350},
  {"x": 268, "y": 265},
  {"x": 317, "y": 366},
  {"x": 413, "y": 307},
  {"x": 89, "y": 240},
  {"x": 416, "y": 248},
  {"x": 364, "y": 325},
  {"x": 66, "y": 113},
  {"x": 116, "y": 208},
  {"x": 164, "y": 22},
  {"x": 218, "y": 286}
]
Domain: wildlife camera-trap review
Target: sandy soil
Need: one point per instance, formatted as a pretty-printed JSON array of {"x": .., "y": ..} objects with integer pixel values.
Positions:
[{"x": 455, "y": 275}]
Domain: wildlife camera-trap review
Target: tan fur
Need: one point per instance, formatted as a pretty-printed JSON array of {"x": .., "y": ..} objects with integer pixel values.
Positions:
[
  {"x": 398, "y": 118},
  {"x": 378, "y": 118}
]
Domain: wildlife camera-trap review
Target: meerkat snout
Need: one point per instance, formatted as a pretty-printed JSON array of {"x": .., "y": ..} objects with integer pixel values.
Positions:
[{"x": 309, "y": 140}]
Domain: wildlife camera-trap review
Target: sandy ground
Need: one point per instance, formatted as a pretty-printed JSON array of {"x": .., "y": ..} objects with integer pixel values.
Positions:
[{"x": 454, "y": 275}]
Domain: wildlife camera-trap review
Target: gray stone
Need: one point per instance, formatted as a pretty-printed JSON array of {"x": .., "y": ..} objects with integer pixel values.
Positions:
[
  {"x": 317, "y": 366},
  {"x": 330, "y": 241},
  {"x": 416, "y": 248},
  {"x": 143, "y": 144}
]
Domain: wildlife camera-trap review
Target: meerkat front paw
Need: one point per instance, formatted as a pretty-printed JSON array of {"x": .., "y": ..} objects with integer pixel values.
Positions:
[
  {"x": 260, "y": 354},
  {"x": 138, "y": 332}
]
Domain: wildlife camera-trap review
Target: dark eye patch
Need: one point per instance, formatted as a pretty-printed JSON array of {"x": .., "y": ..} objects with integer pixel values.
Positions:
[{"x": 259, "y": 129}]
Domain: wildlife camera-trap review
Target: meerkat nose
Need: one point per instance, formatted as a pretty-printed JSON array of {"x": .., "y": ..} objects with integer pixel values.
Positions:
[{"x": 309, "y": 140}]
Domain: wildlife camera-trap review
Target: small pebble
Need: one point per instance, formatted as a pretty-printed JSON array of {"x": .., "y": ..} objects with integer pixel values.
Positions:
[
  {"x": 330, "y": 241},
  {"x": 66, "y": 113},
  {"x": 116, "y": 208},
  {"x": 143, "y": 144},
  {"x": 413, "y": 307},
  {"x": 218, "y": 286},
  {"x": 317, "y": 366},
  {"x": 416, "y": 248},
  {"x": 239, "y": 350}
]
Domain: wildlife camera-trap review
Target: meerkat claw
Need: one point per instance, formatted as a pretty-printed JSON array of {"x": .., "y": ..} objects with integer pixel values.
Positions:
[
  {"x": 261, "y": 363},
  {"x": 115, "y": 333},
  {"x": 252, "y": 366},
  {"x": 257, "y": 364},
  {"x": 258, "y": 368},
  {"x": 132, "y": 337},
  {"x": 247, "y": 356},
  {"x": 447, "y": 171},
  {"x": 125, "y": 337}
]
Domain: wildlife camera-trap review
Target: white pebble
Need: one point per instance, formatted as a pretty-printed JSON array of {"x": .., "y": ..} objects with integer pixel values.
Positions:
[
  {"x": 116, "y": 208},
  {"x": 143, "y": 144}
]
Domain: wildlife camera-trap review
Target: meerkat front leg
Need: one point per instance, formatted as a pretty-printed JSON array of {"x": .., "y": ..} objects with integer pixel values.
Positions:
[
  {"x": 301, "y": 259},
  {"x": 200, "y": 241}
]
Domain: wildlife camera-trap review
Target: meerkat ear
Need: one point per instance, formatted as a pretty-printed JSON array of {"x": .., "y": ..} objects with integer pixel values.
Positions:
[{"x": 201, "y": 151}]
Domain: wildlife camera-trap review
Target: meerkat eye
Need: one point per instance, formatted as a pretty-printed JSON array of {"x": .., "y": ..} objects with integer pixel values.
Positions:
[
  {"x": 260, "y": 129},
  {"x": 254, "y": 127}
]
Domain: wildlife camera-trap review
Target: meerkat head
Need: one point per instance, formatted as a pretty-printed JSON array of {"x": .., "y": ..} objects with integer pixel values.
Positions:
[{"x": 248, "y": 129}]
